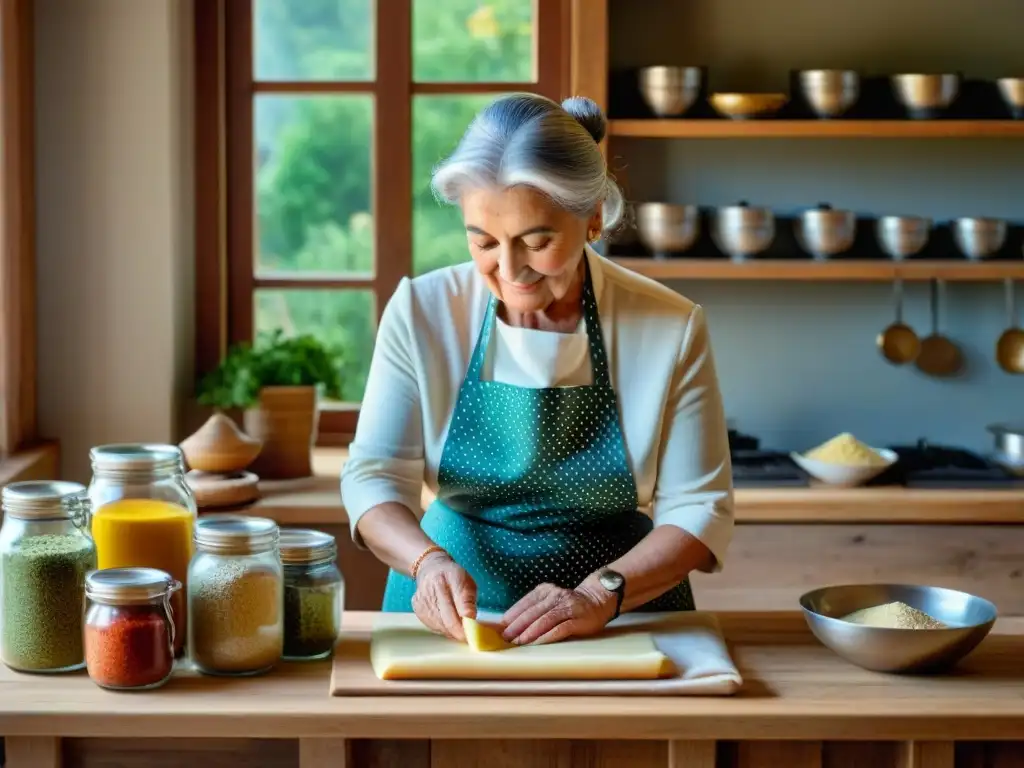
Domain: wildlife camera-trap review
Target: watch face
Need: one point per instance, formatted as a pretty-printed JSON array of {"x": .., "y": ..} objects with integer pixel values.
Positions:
[{"x": 611, "y": 580}]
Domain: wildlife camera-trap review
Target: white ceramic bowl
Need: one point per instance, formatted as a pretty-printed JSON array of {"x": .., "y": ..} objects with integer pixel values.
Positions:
[
  {"x": 842, "y": 474},
  {"x": 1014, "y": 467}
]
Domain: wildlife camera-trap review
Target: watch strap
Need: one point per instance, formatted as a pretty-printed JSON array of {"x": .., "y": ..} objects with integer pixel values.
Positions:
[
  {"x": 619, "y": 591},
  {"x": 620, "y": 594}
]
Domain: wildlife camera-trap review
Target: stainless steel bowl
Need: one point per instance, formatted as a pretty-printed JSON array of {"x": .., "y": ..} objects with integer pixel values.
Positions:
[
  {"x": 742, "y": 231},
  {"x": 667, "y": 228},
  {"x": 824, "y": 232},
  {"x": 902, "y": 236},
  {"x": 1009, "y": 442},
  {"x": 670, "y": 91},
  {"x": 968, "y": 620},
  {"x": 829, "y": 92},
  {"x": 925, "y": 95},
  {"x": 1012, "y": 91},
  {"x": 979, "y": 238}
]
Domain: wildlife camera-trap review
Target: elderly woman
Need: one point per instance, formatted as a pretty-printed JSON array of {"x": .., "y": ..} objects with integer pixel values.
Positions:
[{"x": 546, "y": 395}]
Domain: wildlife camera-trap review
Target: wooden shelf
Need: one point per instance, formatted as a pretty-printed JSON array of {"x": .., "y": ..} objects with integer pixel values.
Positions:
[
  {"x": 837, "y": 270},
  {"x": 821, "y": 129}
]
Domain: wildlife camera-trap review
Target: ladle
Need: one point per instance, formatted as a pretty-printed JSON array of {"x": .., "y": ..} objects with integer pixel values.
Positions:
[
  {"x": 899, "y": 343},
  {"x": 939, "y": 355},
  {"x": 1010, "y": 347}
]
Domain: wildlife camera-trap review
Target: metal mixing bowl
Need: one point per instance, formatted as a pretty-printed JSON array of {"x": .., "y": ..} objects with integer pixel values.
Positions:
[
  {"x": 979, "y": 238},
  {"x": 925, "y": 95},
  {"x": 670, "y": 91},
  {"x": 829, "y": 92},
  {"x": 1012, "y": 91},
  {"x": 824, "y": 232},
  {"x": 741, "y": 231},
  {"x": 902, "y": 236},
  {"x": 667, "y": 228},
  {"x": 968, "y": 620}
]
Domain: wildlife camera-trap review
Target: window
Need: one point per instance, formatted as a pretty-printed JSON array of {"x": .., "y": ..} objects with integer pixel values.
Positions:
[{"x": 327, "y": 117}]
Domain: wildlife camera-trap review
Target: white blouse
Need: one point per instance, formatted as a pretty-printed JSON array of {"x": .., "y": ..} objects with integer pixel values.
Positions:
[{"x": 659, "y": 355}]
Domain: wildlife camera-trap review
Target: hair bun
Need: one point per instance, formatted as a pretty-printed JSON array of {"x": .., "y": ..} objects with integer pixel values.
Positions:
[{"x": 586, "y": 112}]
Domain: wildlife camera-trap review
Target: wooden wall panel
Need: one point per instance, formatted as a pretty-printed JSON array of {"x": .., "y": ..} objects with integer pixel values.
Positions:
[
  {"x": 174, "y": 753},
  {"x": 769, "y": 566},
  {"x": 45, "y": 752}
]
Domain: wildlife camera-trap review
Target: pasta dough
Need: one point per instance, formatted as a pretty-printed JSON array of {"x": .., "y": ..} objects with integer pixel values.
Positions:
[
  {"x": 401, "y": 648},
  {"x": 483, "y": 637}
]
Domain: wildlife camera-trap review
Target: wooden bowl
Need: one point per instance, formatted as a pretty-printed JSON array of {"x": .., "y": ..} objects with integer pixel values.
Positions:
[
  {"x": 746, "y": 106},
  {"x": 233, "y": 490},
  {"x": 219, "y": 446}
]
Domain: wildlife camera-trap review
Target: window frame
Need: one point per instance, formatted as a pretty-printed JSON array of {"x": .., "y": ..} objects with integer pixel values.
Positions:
[
  {"x": 225, "y": 91},
  {"x": 18, "y": 424}
]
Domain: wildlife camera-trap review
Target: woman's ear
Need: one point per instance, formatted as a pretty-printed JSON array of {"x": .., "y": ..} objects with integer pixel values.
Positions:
[{"x": 594, "y": 226}]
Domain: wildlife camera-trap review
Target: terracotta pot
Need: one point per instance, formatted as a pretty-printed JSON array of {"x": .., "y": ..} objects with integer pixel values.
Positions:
[{"x": 286, "y": 422}]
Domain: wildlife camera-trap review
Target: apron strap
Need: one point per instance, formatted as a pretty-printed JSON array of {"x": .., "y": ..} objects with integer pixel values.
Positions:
[{"x": 591, "y": 320}]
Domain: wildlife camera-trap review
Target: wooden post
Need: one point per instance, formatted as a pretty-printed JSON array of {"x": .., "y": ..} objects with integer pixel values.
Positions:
[
  {"x": 927, "y": 754},
  {"x": 32, "y": 752},
  {"x": 691, "y": 754},
  {"x": 323, "y": 753}
]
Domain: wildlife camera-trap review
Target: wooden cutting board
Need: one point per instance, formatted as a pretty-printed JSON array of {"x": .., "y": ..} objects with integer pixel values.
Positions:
[{"x": 692, "y": 642}]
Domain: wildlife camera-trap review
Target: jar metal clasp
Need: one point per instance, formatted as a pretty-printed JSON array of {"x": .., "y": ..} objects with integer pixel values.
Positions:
[
  {"x": 172, "y": 586},
  {"x": 79, "y": 511}
]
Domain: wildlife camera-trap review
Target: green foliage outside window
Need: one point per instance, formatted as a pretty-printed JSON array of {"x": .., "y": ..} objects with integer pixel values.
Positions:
[{"x": 313, "y": 181}]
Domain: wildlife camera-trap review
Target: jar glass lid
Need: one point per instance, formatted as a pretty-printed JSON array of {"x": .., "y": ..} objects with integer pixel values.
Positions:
[
  {"x": 135, "y": 457},
  {"x": 235, "y": 533},
  {"x": 42, "y": 499},
  {"x": 128, "y": 585},
  {"x": 301, "y": 545}
]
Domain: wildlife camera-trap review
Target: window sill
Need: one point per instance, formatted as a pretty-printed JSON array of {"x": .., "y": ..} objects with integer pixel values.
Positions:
[
  {"x": 312, "y": 500},
  {"x": 41, "y": 462}
]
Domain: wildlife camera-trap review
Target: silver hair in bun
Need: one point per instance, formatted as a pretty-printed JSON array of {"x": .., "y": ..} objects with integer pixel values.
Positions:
[{"x": 529, "y": 139}]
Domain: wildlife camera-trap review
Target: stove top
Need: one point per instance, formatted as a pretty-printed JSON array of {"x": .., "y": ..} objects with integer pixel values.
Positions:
[
  {"x": 925, "y": 465},
  {"x": 766, "y": 469}
]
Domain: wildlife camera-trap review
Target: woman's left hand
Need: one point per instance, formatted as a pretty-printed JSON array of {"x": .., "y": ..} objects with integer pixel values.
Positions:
[{"x": 550, "y": 614}]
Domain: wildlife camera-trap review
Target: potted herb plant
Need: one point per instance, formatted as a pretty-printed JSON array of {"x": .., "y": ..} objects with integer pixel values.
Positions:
[{"x": 276, "y": 382}]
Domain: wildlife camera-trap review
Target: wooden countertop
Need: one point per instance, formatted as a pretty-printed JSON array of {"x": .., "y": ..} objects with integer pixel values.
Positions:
[
  {"x": 317, "y": 501},
  {"x": 794, "y": 688}
]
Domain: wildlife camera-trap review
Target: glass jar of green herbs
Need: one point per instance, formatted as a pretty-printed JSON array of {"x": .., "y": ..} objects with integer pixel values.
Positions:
[
  {"x": 313, "y": 593},
  {"x": 45, "y": 553}
]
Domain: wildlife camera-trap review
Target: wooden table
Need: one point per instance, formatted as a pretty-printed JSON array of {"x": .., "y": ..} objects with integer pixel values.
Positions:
[{"x": 801, "y": 707}]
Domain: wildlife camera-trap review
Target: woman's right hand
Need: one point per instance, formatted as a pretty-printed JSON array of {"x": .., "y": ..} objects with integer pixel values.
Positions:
[{"x": 445, "y": 595}]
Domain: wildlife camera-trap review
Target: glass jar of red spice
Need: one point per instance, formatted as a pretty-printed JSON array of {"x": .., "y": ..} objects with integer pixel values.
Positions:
[{"x": 129, "y": 627}]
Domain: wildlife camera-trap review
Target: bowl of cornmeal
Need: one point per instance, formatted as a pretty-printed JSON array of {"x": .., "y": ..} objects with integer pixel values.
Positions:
[
  {"x": 844, "y": 461},
  {"x": 898, "y": 627}
]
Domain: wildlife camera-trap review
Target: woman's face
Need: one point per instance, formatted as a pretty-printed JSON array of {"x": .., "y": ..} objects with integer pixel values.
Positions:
[{"x": 527, "y": 248}]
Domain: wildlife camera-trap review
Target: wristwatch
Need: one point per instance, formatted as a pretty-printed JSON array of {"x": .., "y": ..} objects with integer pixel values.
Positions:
[{"x": 615, "y": 582}]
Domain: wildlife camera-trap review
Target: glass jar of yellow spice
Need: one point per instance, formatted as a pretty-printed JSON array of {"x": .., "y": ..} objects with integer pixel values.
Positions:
[{"x": 143, "y": 515}]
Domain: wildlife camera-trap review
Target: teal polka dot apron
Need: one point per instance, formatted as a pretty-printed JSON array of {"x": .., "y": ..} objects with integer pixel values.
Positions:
[{"x": 534, "y": 485}]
